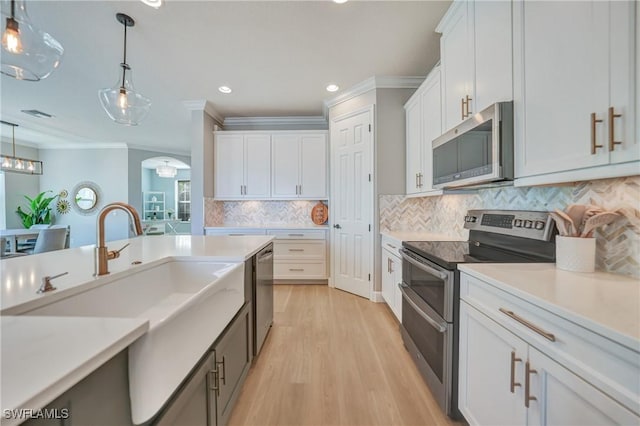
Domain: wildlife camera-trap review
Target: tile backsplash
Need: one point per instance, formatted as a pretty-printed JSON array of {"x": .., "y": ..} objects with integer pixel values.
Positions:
[
  {"x": 258, "y": 213},
  {"x": 618, "y": 244}
]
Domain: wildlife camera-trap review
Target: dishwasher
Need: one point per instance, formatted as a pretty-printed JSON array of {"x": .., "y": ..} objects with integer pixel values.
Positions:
[{"x": 262, "y": 296}]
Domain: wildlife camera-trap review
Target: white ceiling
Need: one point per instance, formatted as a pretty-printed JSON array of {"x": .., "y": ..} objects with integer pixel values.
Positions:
[
  {"x": 152, "y": 163},
  {"x": 276, "y": 56}
]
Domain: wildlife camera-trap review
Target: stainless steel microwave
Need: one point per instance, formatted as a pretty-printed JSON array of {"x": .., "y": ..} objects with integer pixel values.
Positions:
[{"x": 477, "y": 151}]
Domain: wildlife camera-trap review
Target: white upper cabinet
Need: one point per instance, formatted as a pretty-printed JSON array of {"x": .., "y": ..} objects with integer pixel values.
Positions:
[
  {"x": 299, "y": 165},
  {"x": 574, "y": 90},
  {"x": 242, "y": 166},
  {"x": 423, "y": 124},
  {"x": 476, "y": 58}
]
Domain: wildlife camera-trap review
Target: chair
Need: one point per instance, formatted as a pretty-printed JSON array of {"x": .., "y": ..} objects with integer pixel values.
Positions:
[
  {"x": 68, "y": 228},
  {"x": 50, "y": 239},
  {"x": 29, "y": 244}
]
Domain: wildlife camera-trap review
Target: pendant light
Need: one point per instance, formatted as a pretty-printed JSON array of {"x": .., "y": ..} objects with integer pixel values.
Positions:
[
  {"x": 27, "y": 52},
  {"x": 121, "y": 102},
  {"x": 11, "y": 163},
  {"x": 166, "y": 171}
]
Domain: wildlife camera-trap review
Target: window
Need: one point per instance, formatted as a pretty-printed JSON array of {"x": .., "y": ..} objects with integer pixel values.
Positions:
[{"x": 184, "y": 200}]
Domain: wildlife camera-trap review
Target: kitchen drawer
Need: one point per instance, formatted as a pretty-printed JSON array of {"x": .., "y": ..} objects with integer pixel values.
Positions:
[
  {"x": 391, "y": 244},
  {"x": 611, "y": 367},
  {"x": 293, "y": 234},
  {"x": 300, "y": 270},
  {"x": 310, "y": 250}
]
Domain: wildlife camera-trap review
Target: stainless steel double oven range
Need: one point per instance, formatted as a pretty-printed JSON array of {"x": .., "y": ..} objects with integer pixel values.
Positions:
[{"x": 431, "y": 287}]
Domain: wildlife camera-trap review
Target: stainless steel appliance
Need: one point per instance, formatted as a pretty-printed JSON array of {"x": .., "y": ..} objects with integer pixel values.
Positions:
[
  {"x": 431, "y": 287},
  {"x": 477, "y": 151},
  {"x": 262, "y": 296}
]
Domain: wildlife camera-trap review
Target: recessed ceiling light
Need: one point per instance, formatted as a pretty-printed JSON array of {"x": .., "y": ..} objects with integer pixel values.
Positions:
[
  {"x": 340, "y": 1},
  {"x": 153, "y": 3},
  {"x": 224, "y": 89},
  {"x": 333, "y": 88}
]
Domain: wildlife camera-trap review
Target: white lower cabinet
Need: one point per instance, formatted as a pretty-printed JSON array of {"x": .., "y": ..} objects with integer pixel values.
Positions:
[
  {"x": 299, "y": 254},
  {"x": 391, "y": 275},
  {"x": 521, "y": 365}
]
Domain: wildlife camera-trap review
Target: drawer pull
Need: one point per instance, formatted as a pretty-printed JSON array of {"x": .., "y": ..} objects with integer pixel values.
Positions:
[
  {"x": 513, "y": 383},
  {"x": 529, "y": 325},
  {"x": 296, "y": 269},
  {"x": 391, "y": 245},
  {"x": 296, "y": 249},
  {"x": 296, "y": 235},
  {"x": 236, "y": 235},
  {"x": 527, "y": 384}
]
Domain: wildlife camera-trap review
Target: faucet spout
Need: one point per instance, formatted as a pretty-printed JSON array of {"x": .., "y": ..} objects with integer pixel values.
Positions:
[{"x": 103, "y": 255}]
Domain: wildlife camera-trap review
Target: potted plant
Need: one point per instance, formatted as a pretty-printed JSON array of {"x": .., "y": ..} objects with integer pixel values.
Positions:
[{"x": 38, "y": 211}]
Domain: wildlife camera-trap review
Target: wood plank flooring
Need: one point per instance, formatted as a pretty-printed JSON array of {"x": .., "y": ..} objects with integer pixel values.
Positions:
[{"x": 332, "y": 358}]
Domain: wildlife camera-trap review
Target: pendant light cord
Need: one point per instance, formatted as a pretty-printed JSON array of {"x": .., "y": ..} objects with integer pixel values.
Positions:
[
  {"x": 124, "y": 60},
  {"x": 13, "y": 140},
  {"x": 13, "y": 9}
]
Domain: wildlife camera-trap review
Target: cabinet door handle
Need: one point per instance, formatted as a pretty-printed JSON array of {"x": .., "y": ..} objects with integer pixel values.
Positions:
[
  {"x": 527, "y": 384},
  {"x": 416, "y": 181},
  {"x": 296, "y": 235},
  {"x": 462, "y": 108},
  {"x": 214, "y": 384},
  {"x": 391, "y": 245},
  {"x": 467, "y": 103},
  {"x": 513, "y": 384},
  {"x": 391, "y": 266},
  {"x": 612, "y": 138},
  {"x": 388, "y": 265},
  {"x": 594, "y": 121},
  {"x": 296, "y": 249},
  {"x": 218, "y": 363},
  {"x": 528, "y": 324}
]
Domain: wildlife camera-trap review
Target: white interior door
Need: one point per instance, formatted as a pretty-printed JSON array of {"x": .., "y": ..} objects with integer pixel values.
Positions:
[{"x": 352, "y": 202}]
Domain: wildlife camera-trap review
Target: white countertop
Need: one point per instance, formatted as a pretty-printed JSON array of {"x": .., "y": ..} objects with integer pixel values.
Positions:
[
  {"x": 21, "y": 276},
  {"x": 269, "y": 226},
  {"x": 44, "y": 356},
  {"x": 419, "y": 236},
  {"x": 605, "y": 303}
]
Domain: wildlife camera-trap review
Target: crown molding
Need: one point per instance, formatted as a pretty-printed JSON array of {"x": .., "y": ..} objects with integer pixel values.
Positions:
[
  {"x": 316, "y": 122},
  {"x": 206, "y": 106},
  {"x": 372, "y": 83}
]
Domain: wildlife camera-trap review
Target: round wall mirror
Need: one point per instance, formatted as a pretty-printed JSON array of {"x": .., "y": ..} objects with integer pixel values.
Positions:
[{"x": 86, "y": 197}]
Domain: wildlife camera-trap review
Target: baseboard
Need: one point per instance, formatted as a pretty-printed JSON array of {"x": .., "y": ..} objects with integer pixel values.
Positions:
[{"x": 377, "y": 297}]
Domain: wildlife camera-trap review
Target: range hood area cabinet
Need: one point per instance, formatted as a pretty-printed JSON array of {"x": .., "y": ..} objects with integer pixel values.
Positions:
[
  {"x": 579, "y": 121},
  {"x": 476, "y": 58},
  {"x": 279, "y": 165},
  {"x": 424, "y": 124}
]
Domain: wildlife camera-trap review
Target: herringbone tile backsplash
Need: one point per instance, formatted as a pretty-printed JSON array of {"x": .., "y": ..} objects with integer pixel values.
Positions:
[
  {"x": 257, "y": 213},
  {"x": 618, "y": 244}
]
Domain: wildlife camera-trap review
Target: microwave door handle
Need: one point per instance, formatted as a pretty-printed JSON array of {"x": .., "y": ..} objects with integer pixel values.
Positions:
[
  {"x": 441, "y": 328},
  {"x": 426, "y": 268}
]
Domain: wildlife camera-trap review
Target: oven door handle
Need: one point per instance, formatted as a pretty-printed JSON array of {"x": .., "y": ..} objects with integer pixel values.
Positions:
[
  {"x": 441, "y": 328},
  {"x": 426, "y": 268}
]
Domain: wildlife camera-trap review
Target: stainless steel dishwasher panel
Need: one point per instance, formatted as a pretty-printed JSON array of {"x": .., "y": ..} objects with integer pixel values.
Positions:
[{"x": 263, "y": 296}]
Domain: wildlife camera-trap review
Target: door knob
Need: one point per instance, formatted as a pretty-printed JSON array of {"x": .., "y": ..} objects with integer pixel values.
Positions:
[{"x": 337, "y": 226}]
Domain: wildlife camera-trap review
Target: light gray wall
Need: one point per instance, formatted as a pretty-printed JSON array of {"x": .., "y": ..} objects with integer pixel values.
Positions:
[
  {"x": 390, "y": 140},
  {"x": 202, "y": 126},
  {"x": 16, "y": 185},
  {"x": 135, "y": 185},
  {"x": 65, "y": 168},
  {"x": 166, "y": 185}
]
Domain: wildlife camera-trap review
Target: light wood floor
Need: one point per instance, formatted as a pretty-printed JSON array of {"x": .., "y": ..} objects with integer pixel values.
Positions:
[{"x": 332, "y": 358}]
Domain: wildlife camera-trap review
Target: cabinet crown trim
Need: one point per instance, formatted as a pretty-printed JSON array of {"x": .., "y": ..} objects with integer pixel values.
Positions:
[
  {"x": 309, "y": 123},
  {"x": 377, "y": 82}
]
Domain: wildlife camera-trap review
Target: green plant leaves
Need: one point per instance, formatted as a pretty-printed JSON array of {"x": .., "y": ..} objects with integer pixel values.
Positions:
[{"x": 39, "y": 210}]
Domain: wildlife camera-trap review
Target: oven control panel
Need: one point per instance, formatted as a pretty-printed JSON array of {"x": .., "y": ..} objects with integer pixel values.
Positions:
[{"x": 537, "y": 225}]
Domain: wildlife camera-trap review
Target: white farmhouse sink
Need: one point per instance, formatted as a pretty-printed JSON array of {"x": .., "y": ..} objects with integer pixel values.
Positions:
[{"x": 188, "y": 304}]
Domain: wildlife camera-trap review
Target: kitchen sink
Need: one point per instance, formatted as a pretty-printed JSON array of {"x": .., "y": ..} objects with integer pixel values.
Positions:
[{"x": 188, "y": 304}]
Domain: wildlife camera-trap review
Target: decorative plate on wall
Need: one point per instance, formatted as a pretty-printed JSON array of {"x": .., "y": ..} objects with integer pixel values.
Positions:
[
  {"x": 63, "y": 194},
  {"x": 320, "y": 213},
  {"x": 63, "y": 206}
]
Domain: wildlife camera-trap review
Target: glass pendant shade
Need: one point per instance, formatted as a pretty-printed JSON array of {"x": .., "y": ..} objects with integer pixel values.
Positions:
[
  {"x": 27, "y": 52},
  {"x": 122, "y": 103},
  {"x": 166, "y": 171}
]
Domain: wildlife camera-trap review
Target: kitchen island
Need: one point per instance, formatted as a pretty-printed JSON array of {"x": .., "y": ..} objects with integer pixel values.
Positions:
[{"x": 63, "y": 349}]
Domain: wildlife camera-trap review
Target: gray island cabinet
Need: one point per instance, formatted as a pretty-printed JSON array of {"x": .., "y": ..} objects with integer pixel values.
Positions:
[{"x": 205, "y": 397}]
